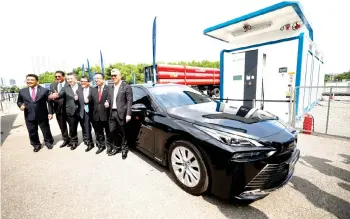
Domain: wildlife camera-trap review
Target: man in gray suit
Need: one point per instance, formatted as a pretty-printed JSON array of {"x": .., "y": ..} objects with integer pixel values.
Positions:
[
  {"x": 74, "y": 99},
  {"x": 120, "y": 102}
]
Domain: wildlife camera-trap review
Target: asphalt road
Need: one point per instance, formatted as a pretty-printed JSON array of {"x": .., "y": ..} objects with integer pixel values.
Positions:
[{"x": 61, "y": 183}]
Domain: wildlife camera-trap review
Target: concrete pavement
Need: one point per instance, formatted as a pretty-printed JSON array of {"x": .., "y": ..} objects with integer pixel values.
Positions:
[{"x": 61, "y": 183}]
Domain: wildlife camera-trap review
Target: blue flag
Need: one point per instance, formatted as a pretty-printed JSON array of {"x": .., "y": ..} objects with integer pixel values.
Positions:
[
  {"x": 154, "y": 41},
  {"x": 102, "y": 66},
  {"x": 83, "y": 69}
]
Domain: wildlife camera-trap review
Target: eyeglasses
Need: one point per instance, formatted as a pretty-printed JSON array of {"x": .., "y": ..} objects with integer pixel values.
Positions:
[
  {"x": 57, "y": 76},
  {"x": 83, "y": 81},
  {"x": 113, "y": 76}
]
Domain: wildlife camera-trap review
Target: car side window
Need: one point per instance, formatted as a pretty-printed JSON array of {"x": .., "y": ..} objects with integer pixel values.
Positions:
[{"x": 140, "y": 96}]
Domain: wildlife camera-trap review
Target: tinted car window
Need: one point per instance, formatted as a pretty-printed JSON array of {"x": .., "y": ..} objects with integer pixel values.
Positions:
[
  {"x": 140, "y": 96},
  {"x": 174, "y": 96}
]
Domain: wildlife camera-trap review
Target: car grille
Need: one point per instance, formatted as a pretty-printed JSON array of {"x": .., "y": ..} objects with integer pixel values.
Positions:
[{"x": 270, "y": 177}]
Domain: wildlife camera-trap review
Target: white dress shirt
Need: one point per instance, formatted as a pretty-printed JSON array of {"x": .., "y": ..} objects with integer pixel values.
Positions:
[
  {"x": 86, "y": 92},
  {"x": 116, "y": 88},
  {"x": 75, "y": 88}
]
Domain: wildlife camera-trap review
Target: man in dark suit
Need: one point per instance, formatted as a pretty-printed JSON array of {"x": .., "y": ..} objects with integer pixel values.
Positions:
[
  {"x": 85, "y": 123},
  {"x": 59, "y": 106},
  {"x": 120, "y": 102},
  {"x": 74, "y": 99},
  {"x": 33, "y": 101},
  {"x": 98, "y": 100}
]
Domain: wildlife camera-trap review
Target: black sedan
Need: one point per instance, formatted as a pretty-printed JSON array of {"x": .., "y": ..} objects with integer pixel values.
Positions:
[{"x": 241, "y": 156}]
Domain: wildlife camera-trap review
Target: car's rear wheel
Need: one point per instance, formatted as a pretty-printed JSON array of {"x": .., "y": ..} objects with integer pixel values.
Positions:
[{"x": 188, "y": 167}]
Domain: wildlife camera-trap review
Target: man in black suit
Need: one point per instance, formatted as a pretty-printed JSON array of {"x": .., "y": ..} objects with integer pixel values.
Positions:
[
  {"x": 120, "y": 102},
  {"x": 98, "y": 100},
  {"x": 59, "y": 106},
  {"x": 74, "y": 99},
  {"x": 85, "y": 123},
  {"x": 33, "y": 101}
]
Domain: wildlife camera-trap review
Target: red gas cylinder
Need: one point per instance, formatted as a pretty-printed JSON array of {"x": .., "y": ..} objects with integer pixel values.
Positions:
[{"x": 308, "y": 124}]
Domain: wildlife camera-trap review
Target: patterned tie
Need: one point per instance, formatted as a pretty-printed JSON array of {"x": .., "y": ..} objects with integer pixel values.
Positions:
[
  {"x": 99, "y": 94},
  {"x": 59, "y": 87},
  {"x": 33, "y": 94}
]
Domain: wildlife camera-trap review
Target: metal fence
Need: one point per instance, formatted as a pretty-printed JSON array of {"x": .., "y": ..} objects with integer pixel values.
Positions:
[
  {"x": 328, "y": 107},
  {"x": 8, "y": 100}
]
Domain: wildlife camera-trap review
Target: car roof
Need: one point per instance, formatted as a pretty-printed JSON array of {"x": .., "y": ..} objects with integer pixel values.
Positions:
[{"x": 147, "y": 86}]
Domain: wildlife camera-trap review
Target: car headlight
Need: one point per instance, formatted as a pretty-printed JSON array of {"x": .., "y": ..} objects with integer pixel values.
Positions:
[{"x": 228, "y": 138}]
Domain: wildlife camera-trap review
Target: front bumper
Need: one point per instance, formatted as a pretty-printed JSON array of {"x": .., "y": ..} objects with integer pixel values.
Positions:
[
  {"x": 252, "y": 180},
  {"x": 270, "y": 178}
]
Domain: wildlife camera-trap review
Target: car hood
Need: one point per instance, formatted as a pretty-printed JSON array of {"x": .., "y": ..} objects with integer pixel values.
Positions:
[{"x": 260, "y": 124}]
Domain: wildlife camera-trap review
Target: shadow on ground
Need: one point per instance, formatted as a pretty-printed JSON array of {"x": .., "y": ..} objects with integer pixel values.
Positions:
[
  {"x": 321, "y": 199},
  {"x": 227, "y": 209},
  {"x": 323, "y": 166},
  {"x": 6, "y": 126}
]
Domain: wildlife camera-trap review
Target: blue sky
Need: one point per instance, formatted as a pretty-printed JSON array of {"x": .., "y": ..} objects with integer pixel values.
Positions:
[{"x": 67, "y": 32}]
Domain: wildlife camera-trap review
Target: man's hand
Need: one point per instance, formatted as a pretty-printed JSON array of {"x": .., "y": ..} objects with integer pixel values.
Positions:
[
  {"x": 128, "y": 118},
  {"x": 50, "y": 116},
  {"x": 23, "y": 107},
  {"x": 106, "y": 104},
  {"x": 53, "y": 96},
  {"x": 76, "y": 97}
]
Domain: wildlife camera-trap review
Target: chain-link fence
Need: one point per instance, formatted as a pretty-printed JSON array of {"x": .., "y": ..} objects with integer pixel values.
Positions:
[
  {"x": 322, "y": 110},
  {"x": 8, "y": 100}
]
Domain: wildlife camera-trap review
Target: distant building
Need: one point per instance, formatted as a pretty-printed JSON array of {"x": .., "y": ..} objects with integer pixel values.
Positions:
[{"x": 12, "y": 82}]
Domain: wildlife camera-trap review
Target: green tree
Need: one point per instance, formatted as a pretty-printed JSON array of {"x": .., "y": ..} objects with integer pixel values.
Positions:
[{"x": 46, "y": 77}]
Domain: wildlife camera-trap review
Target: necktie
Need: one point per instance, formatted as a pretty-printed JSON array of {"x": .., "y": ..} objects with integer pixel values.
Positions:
[
  {"x": 59, "y": 87},
  {"x": 99, "y": 94},
  {"x": 33, "y": 94}
]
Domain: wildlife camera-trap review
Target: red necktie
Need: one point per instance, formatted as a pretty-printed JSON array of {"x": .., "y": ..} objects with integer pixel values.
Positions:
[
  {"x": 33, "y": 94},
  {"x": 99, "y": 94}
]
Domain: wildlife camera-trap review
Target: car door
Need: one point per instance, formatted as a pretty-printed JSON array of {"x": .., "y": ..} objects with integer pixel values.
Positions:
[{"x": 145, "y": 138}]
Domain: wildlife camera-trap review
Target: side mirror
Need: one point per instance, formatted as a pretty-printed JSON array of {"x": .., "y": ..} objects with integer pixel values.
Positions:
[{"x": 139, "y": 107}]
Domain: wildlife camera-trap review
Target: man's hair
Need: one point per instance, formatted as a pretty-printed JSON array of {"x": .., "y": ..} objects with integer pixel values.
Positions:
[
  {"x": 116, "y": 71},
  {"x": 34, "y": 76},
  {"x": 60, "y": 72},
  {"x": 72, "y": 73},
  {"x": 99, "y": 73},
  {"x": 85, "y": 77}
]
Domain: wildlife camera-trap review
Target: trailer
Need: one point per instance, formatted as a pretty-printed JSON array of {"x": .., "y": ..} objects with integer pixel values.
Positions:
[
  {"x": 206, "y": 80},
  {"x": 273, "y": 55}
]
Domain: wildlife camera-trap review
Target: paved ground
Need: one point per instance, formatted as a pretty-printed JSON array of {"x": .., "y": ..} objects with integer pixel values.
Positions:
[{"x": 74, "y": 184}]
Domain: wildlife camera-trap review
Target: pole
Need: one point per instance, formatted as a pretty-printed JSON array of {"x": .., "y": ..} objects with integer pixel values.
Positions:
[{"x": 329, "y": 106}]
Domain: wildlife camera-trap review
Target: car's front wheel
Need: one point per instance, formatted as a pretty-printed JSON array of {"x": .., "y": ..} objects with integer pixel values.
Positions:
[{"x": 188, "y": 168}]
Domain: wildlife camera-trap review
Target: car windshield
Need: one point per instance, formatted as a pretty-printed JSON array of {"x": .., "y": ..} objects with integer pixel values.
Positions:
[{"x": 174, "y": 96}]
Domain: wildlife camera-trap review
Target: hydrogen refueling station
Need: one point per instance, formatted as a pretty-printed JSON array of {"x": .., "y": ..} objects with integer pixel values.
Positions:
[{"x": 272, "y": 54}]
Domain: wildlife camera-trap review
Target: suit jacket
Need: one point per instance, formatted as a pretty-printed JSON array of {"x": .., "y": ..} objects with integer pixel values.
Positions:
[
  {"x": 58, "y": 106},
  {"x": 73, "y": 107},
  {"x": 35, "y": 110},
  {"x": 123, "y": 100},
  {"x": 99, "y": 112}
]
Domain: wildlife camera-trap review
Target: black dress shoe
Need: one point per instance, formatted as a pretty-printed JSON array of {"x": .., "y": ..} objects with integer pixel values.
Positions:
[
  {"x": 124, "y": 155},
  {"x": 65, "y": 143},
  {"x": 109, "y": 150},
  {"x": 36, "y": 149},
  {"x": 100, "y": 150},
  {"x": 91, "y": 146},
  {"x": 114, "y": 152},
  {"x": 49, "y": 147},
  {"x": 74, "y": 146}
]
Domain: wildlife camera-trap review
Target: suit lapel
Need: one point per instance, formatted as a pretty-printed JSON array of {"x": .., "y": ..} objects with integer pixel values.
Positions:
[
  {"x": 37, "y": 93},
  {"x": 120, "y": 88},
  {"x": 112, "y": 96}
]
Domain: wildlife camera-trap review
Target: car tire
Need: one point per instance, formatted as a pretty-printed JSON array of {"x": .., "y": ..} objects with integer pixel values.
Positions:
[{"x": 191, "y": 175}]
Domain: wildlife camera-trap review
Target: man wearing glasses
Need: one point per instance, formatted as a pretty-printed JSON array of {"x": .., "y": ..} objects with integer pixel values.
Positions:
[
  {"x": 98, "y": 99},
  {"x": 85, "y": 123},
  {"x": 120, "y": 102},
  {"x": 58, "y": 106}
]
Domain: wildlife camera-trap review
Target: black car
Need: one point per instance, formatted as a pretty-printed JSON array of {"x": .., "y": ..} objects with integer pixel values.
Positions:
[{"x": 242, "y": 156}]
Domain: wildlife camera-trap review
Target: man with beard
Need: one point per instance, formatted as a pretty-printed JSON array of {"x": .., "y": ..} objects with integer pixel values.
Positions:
[
  {"x": 120, "y": 102},
  {"x": 59, "y": 106},
  {"x": 33, "y": 101}
]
